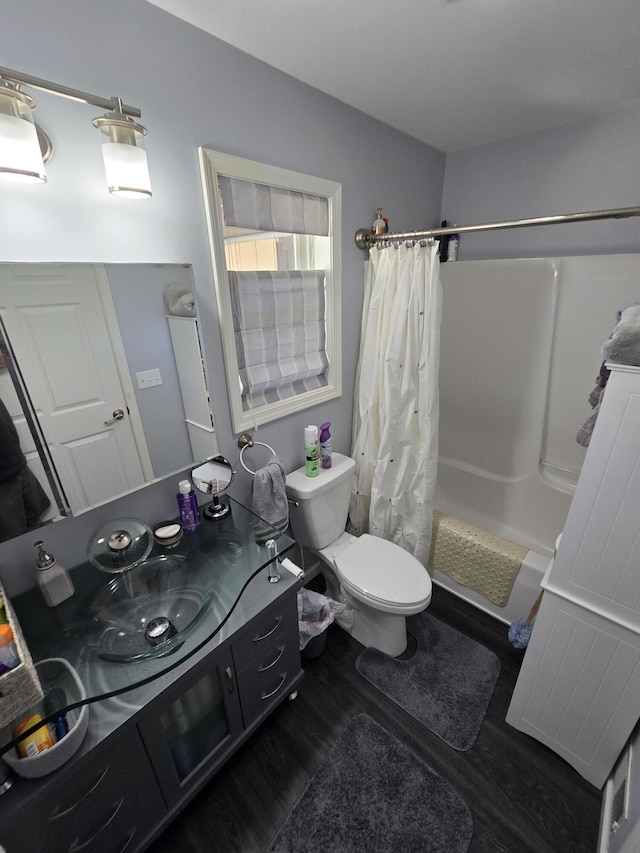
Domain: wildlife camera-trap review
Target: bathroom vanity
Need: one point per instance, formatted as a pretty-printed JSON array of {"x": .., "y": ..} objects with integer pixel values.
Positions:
[{"x": 161, "y": 723}]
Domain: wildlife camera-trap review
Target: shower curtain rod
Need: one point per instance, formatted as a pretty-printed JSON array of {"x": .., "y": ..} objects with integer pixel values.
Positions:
[{"x": 365, "y": 238}]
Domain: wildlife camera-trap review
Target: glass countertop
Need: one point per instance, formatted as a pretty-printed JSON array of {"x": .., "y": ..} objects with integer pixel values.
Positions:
[{"x": 120, "y": 631}]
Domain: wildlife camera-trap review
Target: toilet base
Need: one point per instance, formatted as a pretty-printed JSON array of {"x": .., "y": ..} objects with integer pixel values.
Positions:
[{"x": 384, "y": 631}]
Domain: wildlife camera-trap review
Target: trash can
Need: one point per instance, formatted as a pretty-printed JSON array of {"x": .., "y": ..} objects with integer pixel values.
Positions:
[{"x": 315, "y": 613}]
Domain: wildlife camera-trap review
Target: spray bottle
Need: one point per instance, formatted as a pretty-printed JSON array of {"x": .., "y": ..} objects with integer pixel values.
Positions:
[
  {"x": 325, "y": 445},
  {"x": 311, "y": 451}
]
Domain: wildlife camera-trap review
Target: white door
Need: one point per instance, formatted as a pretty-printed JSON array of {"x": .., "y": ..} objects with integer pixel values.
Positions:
[{"x": 56, "y": 327}]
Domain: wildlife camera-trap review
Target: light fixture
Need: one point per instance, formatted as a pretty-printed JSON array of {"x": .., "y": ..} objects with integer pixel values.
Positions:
[
  {"x": 24, "y": 147},
  {"x": 125, "y": 160},
  {"x": 20, "y": 155}
]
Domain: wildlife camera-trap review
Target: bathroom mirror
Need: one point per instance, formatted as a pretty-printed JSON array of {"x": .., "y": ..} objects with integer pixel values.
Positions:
[
  {"x": 214, "y": 477},
  {"x": 106, "y": 387}
]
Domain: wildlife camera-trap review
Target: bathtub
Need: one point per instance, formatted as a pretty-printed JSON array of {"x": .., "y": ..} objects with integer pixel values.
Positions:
[{"x": 520, "y": 350}]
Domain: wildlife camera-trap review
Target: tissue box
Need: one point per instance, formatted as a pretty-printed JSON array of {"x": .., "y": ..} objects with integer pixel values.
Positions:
[{"x": 20, "y": 687}]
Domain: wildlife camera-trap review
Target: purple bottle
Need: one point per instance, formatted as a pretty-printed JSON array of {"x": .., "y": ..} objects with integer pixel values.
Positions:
[
  {"x": 325, "y": 445},
  {"x": 188, "y": 506}
]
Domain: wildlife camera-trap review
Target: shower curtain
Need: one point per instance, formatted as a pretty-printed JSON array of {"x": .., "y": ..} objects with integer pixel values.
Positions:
[{"x": 395, "y": 427}]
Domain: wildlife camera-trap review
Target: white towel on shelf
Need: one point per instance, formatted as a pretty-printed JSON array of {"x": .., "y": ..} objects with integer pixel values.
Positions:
[
  {"x": 179, "y": 300},
  {"x": 269, "y": 495}
]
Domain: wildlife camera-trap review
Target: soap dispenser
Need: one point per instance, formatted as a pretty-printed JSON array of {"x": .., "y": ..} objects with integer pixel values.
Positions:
[{"x": 53, "y": 579}]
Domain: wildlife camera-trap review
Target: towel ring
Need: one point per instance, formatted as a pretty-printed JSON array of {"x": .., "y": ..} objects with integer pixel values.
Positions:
[{"x": 245, "y": 441}]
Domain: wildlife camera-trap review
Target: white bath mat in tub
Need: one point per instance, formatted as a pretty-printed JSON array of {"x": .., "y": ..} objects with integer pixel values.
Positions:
[{"x": 474, "y": 558}]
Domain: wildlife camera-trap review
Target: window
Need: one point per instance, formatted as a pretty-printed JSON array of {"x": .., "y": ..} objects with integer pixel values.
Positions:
[{"x": 275, "y": 244}]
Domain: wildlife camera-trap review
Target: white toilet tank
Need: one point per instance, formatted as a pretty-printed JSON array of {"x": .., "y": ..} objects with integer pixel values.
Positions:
[{"x": 323, "y": 502}]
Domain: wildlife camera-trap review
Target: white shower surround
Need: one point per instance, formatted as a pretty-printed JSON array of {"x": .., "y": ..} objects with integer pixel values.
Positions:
[{"x": 520, "y": 351}]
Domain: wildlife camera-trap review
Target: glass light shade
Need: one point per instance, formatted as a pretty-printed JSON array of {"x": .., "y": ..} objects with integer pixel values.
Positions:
[
  {"x": 125, "y": 160},
  {"x": 126, "y": 170},
  {"x": 20, "y": 154}
]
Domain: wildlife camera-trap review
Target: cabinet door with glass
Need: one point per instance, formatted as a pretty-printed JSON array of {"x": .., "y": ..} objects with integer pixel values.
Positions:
[{"x": 191, "y": 727}]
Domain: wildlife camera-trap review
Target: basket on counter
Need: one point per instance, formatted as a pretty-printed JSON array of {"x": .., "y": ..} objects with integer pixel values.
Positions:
[
  {"x": 55, "y": 673},
  {"x": 20, "y": 687}
]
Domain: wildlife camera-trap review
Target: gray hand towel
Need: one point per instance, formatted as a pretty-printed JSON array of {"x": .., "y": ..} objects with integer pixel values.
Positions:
[
  {"x": 623, "y": 347},
  {"x": 269, "y": 495}
]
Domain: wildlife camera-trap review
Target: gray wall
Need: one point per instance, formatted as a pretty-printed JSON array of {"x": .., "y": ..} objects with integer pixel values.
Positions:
[
  {"x": 194, "y": 91},
  {"x": 586, "y": 166}
]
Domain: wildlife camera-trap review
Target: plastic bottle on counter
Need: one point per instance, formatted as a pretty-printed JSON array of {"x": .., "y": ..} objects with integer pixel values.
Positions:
[
  {"x": 188, "y": 506},
  {"x": 454, "y": 243},
  {"x": 325, "y": 445},
  {"x": 53, "y": 579},
  {"x": 311, "y": 451}
]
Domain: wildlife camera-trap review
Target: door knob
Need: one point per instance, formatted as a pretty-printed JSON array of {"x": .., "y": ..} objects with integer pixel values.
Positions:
[{"x": 118, "y": 415}]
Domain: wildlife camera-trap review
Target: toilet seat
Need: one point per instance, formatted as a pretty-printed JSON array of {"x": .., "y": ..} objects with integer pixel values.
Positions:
[{"x": 383, "y": 575}]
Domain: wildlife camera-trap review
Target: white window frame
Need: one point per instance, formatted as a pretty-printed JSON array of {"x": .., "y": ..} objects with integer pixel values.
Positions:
[{"x": 213, "y": 164}]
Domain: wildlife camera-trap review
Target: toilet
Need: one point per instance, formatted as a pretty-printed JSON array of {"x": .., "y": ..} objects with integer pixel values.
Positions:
[{"x": 381, "y": 582}]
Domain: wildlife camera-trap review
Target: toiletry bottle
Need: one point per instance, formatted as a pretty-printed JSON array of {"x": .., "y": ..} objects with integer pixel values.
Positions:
[
  {"x": 325, "y": 445},
  {"x": 188, "y": 506},
  {"x": 454, "y": 242},
  {"x": 378, "y": 223},
  {"x": 311, "y": 451},
  {"x": 53, "y": 579},
  {"x": 9, "y": 657},
  {"x": 443, "y": 242}
]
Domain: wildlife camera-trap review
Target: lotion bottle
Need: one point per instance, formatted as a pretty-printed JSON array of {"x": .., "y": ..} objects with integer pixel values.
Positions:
[
  {"x": 378, "y": 223},
  {"x": 188, "y": 506},
  {"x": 53, "y": 579}
]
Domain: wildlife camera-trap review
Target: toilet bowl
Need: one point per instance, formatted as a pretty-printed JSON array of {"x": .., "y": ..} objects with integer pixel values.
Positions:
[{"x": 382, "y": 583}]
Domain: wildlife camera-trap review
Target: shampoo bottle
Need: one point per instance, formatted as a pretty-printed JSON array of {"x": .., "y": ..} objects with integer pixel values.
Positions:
[
  {"x": 188, "y": 506},
  {"x": 311, "y": 451},
  {"x": 53, "y": 579},
  {"x": 325, "y": 445}
]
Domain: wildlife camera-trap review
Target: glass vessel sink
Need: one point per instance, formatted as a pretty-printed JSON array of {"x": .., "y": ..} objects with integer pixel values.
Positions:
[
  {"x": 148, "y": 610},
  {"x": 126, "y": 628}
]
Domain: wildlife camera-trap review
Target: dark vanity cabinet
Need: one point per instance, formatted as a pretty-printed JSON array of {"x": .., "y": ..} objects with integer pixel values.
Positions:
[
  {"x": 148, "y": 751},
  {"x": 108, "y": 801},
  {"x": 192, "y": 727}
]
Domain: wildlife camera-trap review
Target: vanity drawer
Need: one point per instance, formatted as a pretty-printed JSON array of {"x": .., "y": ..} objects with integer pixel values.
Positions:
[
  {"x": 269, "y": 676},
  {"x": 108, "y": 804},
  {"x": 264, "y": 630}
]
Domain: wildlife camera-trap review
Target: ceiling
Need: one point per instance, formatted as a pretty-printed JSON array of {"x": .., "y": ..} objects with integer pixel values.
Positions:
[{"x": 452, "y": 73}]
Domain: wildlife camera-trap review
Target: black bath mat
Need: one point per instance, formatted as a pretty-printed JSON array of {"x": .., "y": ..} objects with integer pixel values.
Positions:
[
  {"x": 446, "y": 685},
  {"x": 374, "y": 794}
]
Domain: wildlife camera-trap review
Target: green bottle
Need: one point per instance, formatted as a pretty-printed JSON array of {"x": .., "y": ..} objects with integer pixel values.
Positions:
[{"x": 311, "y": 451}]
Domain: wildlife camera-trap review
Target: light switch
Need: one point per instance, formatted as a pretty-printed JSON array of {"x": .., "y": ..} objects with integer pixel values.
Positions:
[{"x": 149, "y": 378}]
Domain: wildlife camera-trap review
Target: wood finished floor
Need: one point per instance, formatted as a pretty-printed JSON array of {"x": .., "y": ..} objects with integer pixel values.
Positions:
[{"x": 523, "y": 797}]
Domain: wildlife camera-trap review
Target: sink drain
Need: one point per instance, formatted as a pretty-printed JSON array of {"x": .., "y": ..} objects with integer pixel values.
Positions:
[{"x": 159, "y": 630}]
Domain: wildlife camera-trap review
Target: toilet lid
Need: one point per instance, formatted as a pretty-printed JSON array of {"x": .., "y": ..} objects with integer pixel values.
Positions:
[{"x": 383, "y": 571}]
